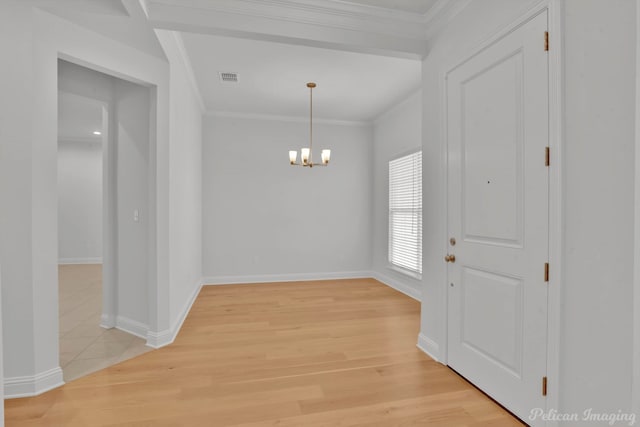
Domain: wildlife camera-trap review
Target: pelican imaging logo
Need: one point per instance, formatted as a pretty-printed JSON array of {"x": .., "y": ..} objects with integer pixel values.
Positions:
[{"x": 587, "y": 416}]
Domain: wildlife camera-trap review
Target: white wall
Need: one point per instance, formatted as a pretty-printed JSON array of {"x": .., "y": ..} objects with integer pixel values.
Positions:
[
  {"x": 597, "y": 187},
  {"x": 17, "y": 41},
  {"x": 396, "y": 132},
  {"x": 597, "y": 291},
  {"x": 28, "y": 175},
  {"x": 186, "y": 180},
  {"x": 266, "y": 220},
  {"x": 79, "y": 202}
]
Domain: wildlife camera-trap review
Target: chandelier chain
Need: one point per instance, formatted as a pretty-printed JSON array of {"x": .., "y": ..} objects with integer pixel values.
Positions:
[{"x": 310, "y": 124}]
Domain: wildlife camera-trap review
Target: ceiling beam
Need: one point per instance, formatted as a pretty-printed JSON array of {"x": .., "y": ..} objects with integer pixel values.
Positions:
[
  {"x": 100, "y": 7},
  {"x": 352, "y": 28}
]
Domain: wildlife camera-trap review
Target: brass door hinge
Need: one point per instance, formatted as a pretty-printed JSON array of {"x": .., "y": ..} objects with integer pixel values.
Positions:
[
  {"x": 544, "y": 386},
  {"x": 546, "y": 41},
  {"x": 546, "y": 271},
  {"x": 547, "y": 156}
]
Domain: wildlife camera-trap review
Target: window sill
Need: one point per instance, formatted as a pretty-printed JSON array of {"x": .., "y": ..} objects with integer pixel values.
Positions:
[{"x": 404, "y": 271}]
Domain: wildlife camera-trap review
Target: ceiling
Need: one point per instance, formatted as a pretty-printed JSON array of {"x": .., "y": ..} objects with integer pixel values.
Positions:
[
  {"x": 272, "y": 78},
  {"x": 365, "y": 55}
]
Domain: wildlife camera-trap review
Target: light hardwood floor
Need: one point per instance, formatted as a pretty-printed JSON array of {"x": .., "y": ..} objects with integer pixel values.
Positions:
[{"x": 300, "y": 354}]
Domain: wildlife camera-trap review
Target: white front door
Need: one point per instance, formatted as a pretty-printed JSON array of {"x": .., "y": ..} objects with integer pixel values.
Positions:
[{"x": 498, "y": 183}]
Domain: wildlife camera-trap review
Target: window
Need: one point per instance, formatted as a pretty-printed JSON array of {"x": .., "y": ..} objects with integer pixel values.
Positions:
[{"x": 405, "y": 213}]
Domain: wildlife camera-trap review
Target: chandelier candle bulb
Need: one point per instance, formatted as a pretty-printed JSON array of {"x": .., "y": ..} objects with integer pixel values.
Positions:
[
  {"x": 293, "y": 155},
  {"x": 326, "y": 156},
  {"x": 304, "y": 154}
]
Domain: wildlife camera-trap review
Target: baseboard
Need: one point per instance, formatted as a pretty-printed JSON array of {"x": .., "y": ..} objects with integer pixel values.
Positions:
[
  {"x": 177, "y": 325},
  {"x": 132, "y": 327},
  {"x": 32, "y": 385},
  {"x": 64, "y": 261},
  {"x": 294, "y": 277},
  {"x": 107, "y": 321},
  {"x": 397, "y": 285},
  {"x": 159, "y": 339},
  {"x": 166, "y": 337},
  {"x": 430, "y": 347}
]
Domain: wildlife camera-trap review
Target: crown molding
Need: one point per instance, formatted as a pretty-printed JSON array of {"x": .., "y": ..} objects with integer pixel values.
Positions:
[
  {"x": 283, "y": 118},
  {"x": 441, "y": 14},
  {"x": 345, "y": 8}
]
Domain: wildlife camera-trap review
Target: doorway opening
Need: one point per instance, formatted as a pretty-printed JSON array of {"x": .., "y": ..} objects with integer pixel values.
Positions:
[{"x": 99, "y": 119}]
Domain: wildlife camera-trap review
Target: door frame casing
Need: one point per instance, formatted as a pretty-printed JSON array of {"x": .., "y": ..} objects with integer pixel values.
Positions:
[
  {"x": 635, "y": 389},
  {"x": 555, "y": 13}
]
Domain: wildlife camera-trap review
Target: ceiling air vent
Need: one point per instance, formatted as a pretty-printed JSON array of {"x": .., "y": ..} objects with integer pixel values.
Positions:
[{"x": 228, "y": 77}]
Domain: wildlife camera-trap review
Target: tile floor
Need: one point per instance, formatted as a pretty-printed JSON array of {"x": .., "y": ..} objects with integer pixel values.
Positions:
[{"x": 86, "y": 347}]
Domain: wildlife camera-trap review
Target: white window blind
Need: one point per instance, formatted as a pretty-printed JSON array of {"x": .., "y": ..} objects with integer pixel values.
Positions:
[{"x": 405, "y": 212}]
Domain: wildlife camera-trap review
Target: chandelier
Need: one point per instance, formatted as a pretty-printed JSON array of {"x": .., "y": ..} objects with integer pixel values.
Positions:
[{"x": 306, "y": 154}]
